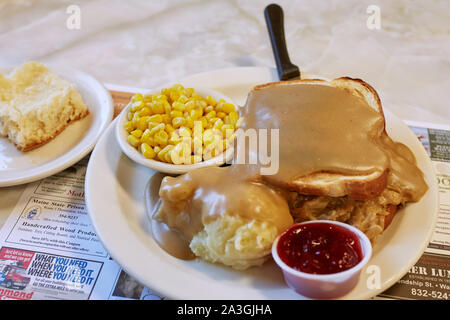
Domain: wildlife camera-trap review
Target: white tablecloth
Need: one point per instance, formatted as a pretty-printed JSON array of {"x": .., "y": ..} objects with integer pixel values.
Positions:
[{"x": 149, "y": 43}]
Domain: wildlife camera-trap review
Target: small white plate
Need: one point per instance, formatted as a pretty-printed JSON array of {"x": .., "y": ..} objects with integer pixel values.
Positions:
[
  {"x": 67, "y": 148},
  {"x": 135, "y": 155},
  {"x": 114, "y": 190}
]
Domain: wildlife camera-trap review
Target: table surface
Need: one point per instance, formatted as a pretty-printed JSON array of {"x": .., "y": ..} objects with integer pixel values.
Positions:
[{"x": 149, "y": 43}]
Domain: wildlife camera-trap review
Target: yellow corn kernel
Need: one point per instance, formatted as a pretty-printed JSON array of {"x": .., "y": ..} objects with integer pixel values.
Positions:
[
  {"x": 169, "y": 128},
  {"x": 190, "y": 105},
  {"x": 178, "y": 106},
  {"x": 162, "y": 153},
  {"x": 209, "y": 109},
  {"x": 155, "y": 118},
  {"x": 157, "y": 149},
  {"x": 185, "y": 132},
  {"x": 161, "y": 156},
  {"x": 204, "y": 122},
  {"x": 136, "y": 133},
  {"x": 145, "y": 135},
  {"x": 228, "y": 107},
  {"x": 178, "y": 122},
  {"x": 189, "y": 122},
  {"x": 233, "y": 117},
  {"x": 161, "y": 137},
  {"x": 166, "y": 92},
  {"x": 178, "y": 86},
  {"x": 203, "y": 104},
  {"x": 137, "y": 97},
  {"x": 174, "y": 95},
  {"x": 143, "y": 123},
  {"x": 167, "y": 157},
  {"x": 179, "y": 153},
  {"x": 129, "y": 126},
  {"x": 213, "y": 120},
  {"x": 210, "y": 115},
  {"x": 147, "y": 151},
  {"x": 157, "y": 107},
  {"x": 213, "y": 149},
  {"x": 136, "y": 106},
  {"x": 189, "y": 92},
  {"x": 219, "y": 106},
  {"x": 133, "y": 141},
  {"x": 195, "y": 96},
  {"x": 148, "y": 140},
  {"x": 183, "y": 99},
  {"x": 167, "y": 107},
  {"x": 187, "y": 150},
  {"x": 151, "y": 124},
  {"x": 210, "y": 100},
  {"x": 175, "y": 138},
  {"x": 145, "y": 111},
  {"x": 208, "y": 137},
  {"x": 166, "y": 119},
  {"x": 159, "y": 127},
  {"x": 130, "y": 115},
  {"x": 135, "y": 119},
  {"x": 161, "y": 97},
  {"x": 174, "y": 141},
  {"x": 218, "y": 124},
  {"x": 197, "y": 145},
  {"x": 221, "y": 115},
  {"x": 176, "y": 157},
  {"x": 148, "y": 97},
  {"x": 196, "y": 114},
  {"x": 176, "y": 113}
]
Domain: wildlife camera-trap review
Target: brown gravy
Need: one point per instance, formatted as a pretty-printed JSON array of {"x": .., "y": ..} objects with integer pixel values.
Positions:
[
  {"x": 199, "y": 197},
  {"x": 321, "y": 128},
  {"x": 327, "y": 129}
]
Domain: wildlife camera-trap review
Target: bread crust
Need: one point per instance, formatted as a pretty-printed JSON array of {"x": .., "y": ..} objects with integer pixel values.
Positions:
[{"x": 35, "y": 145}]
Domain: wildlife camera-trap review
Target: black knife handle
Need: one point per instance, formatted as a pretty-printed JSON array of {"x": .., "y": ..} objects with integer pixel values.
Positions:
[{"x": 275, "y": 25}]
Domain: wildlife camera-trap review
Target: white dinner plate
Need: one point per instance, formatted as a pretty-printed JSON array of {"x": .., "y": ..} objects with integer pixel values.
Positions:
[
  {"x": 67, "y": 148},
  {"x": 114, "y": 191}
]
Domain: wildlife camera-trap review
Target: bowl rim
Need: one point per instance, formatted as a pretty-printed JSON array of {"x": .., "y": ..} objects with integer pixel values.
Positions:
[
  {"x": 366, "y": 247},
  {"x": 164, "y": 167}
]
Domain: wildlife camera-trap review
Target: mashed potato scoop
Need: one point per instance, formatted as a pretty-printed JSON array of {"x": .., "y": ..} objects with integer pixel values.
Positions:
[{"x": 220, "y": 215}]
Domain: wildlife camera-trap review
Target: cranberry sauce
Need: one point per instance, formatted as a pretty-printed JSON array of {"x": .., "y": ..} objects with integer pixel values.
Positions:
[{"x": 319, "y": 248}]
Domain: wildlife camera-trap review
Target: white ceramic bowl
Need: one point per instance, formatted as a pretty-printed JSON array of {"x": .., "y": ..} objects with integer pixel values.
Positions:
[
  {"x": 135, "y": 155},
  {"x": 324, "y": 286}
]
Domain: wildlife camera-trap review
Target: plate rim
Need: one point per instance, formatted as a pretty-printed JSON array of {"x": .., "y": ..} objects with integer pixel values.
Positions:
[
  {"x": 162, "y": 290},
  {"x": 84, "y": 146}
]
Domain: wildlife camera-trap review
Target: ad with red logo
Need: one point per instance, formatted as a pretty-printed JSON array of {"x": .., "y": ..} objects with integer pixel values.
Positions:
[{"x": 27, "y": 275}]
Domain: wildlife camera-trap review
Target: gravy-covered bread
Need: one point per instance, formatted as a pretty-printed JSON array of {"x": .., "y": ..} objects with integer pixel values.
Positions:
[
  {"x": 336, "y": 159},
  {"x": 333, "y": 140},
  {"x": 36, "y": 105}
]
